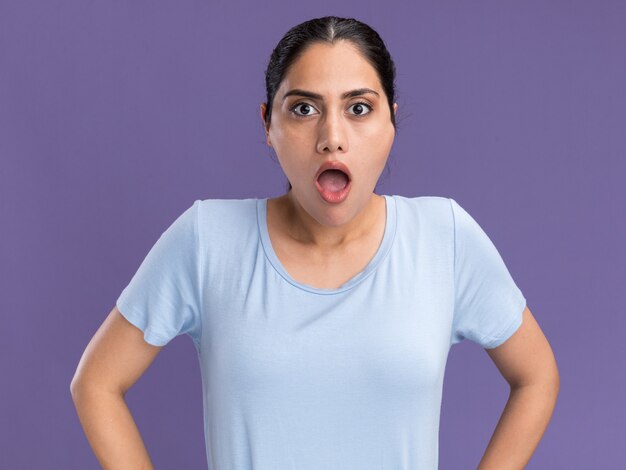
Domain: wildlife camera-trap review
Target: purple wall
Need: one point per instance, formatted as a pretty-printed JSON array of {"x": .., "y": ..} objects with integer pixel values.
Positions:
[{"x": 115, "y": 116}]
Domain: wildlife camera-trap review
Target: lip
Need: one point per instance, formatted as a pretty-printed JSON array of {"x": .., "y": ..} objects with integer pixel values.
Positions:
[
  {"x": 333, "y": 165},
  {"x": 333, "y": 197}
]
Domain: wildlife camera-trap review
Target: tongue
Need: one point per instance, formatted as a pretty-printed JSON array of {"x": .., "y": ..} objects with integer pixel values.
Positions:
[{"x": 333, "y": 180}]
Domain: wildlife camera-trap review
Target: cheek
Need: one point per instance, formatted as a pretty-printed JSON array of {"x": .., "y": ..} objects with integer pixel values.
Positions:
[
  {"x": 378, "y": 131},
  {"x": 385, "y": 141},
  {"x": 376, "y": 141},
  {"x": 376, "y": 146},
  {"x": 289, "y": 139},
  {"x": 289, "y": 156}
]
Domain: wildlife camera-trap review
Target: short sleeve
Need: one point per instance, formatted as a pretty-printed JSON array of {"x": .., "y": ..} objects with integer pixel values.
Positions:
[
  {"x": 488, "y": 304},
  {"x": 163, "y": 297}
]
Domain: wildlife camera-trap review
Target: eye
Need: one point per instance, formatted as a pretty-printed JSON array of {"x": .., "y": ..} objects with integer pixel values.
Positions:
[
  {"x": 304, "y": 107},
  {"x": 359, "y": 106}
]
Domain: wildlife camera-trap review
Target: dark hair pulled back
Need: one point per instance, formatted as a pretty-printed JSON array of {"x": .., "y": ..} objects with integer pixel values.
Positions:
[{"x": 330, "y": 29}]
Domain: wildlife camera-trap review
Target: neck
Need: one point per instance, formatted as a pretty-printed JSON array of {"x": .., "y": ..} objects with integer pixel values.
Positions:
[{"x": 305, "y": 229}]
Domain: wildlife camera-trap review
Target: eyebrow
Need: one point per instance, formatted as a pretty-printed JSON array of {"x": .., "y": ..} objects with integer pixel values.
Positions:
[{"x": 315, "y": 96}]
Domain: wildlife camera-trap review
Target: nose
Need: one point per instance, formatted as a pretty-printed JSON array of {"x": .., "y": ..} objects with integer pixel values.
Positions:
[{"x": 332, "y": 136}]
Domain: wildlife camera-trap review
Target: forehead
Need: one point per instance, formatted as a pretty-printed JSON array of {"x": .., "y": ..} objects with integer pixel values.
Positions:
[{"x": 325, "y": 66}]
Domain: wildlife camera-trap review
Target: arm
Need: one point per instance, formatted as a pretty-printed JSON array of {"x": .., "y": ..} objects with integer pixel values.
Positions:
[
  {"x": 113, "y": 361},
  {"x": 527, "y": 363}
]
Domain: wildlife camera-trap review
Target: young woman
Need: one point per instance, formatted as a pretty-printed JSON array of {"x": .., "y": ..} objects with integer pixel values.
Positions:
[{"x": 322, "y": 318}]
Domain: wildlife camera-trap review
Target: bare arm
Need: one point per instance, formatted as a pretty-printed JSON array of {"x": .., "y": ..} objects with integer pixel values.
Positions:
[
  {"x": 527, "y": 363},
  {"x": 112, "y": 362}
]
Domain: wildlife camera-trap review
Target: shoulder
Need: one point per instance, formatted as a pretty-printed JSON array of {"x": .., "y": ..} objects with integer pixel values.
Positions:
[
  {"x": 432, "y": 203},
  {"x": 425, "y": 218},
  {"x": 226, "y": 204},
  {"x": 224, "y": 218},
  {"x": 432, "y": 209},
  {"x": 226, "y": 208}
]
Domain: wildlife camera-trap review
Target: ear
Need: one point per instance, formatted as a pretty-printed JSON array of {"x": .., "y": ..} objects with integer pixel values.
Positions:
[
  {"x": 267, "y": 133},
  {"x": 395, "y": 109}
]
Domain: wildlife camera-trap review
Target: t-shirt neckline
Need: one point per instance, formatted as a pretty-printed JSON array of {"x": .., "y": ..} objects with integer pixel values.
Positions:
[{"x": 381, "y": 253}]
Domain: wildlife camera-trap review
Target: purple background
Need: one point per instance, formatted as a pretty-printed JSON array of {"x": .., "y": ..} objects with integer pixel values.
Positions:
[{"x": 116, "y": 116}]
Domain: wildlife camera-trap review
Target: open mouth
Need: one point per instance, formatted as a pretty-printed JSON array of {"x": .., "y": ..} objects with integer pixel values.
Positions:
[
  {"x": 333, "y": 185},
  {"x": 333, "y": 180}
]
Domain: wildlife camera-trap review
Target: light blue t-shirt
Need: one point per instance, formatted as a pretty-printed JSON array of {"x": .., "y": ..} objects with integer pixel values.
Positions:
[{"x": 300, "y": 378}]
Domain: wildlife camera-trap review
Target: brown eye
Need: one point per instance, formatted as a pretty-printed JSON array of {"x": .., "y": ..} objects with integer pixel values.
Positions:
[
  {"x": 304, "y": 107},
  {"x": 359, "y": 108}
]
